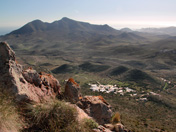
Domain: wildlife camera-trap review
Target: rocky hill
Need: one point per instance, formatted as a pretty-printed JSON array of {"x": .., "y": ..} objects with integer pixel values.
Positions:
[
  {"x": 133, "y": 71},
  {"x": 28, "y": 86}
]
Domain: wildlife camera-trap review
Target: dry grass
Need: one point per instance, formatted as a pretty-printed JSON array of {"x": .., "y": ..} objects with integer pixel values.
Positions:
[
  {"x": 9, "y": 117},
  {"x": 54, "y": 116}
]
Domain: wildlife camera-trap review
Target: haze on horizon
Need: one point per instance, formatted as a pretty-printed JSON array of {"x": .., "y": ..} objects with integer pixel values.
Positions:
[{"x": 116, "y": 13}]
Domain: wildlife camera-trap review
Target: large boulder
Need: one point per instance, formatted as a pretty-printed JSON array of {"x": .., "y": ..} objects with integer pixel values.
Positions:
[
  {"x": 96, "y": 107},
  {"x": 72, "y": 91},
  {"x": 24, "y": 84}
]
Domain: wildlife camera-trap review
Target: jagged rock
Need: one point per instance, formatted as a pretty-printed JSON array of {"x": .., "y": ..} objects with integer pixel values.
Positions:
[
  {"x": 49, "y": 81},
  {"x": 27, "y": 84},
  {"x": 101, "y": 129},
  {"x": 72, "y": 91},
  {"x": 32, "y": 77},
  {"x": 81, "y": 114},
  {"x": 96, "y": 107},
  {"x": 118, "y": 127},
  {"x": 109, "y": 126}
]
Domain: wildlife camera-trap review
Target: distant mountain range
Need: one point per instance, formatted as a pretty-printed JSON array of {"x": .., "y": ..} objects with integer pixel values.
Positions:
[
  {"x": 144, "y": 61},
  {"x": 64, "y": 26},
  {"x": 74, "y": 42},
  {"x": 167, "y": 30},
  {"x": 67, "y": 35},
  {"x": 126, "y": 30}
]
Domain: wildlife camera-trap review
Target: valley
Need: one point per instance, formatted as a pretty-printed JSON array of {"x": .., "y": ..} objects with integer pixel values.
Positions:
[{"x": 142, "y": 61}]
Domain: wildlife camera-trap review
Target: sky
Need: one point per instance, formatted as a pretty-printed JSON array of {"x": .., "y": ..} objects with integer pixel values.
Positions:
[{"x": 116, "y": 13}]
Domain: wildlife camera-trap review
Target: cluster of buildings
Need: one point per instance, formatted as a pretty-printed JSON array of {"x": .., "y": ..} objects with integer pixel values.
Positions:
[
  {"x": 169, "y": 82},
  {"x": 112, "y": 89},
  {"x": 120, "y": 90}
]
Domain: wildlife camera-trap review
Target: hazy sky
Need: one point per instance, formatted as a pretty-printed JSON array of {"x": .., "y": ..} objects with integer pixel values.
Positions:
[{"x": 116, "y": 13}]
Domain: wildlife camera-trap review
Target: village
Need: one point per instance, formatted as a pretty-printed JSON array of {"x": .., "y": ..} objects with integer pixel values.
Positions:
[{"x": 114, "y": 89}]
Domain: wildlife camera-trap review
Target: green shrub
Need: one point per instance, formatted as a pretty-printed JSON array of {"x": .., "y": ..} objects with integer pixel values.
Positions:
[
  {"x": 138, "y": 75},
  {"x": 119, "y": 70},
  {"x": 65, "y": 68},
  {"x": 90, "y": 123},
  {"x": 56, "y": 116},
  {"x": 51, "y": 116},
  {"x": 89, "y": 67}
]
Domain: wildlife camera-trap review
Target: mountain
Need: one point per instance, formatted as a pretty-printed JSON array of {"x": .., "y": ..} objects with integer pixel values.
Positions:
[
  {"x": 126, "y": 30},
  {"x": 167, "y": 30},
  {"x": 34, "y": 26},
  {"x": 99, "y": 54},
  {"x": 64, "y": 25},
  {"x": 130, "y": 36},
  {"x": 66, "y": 35}
]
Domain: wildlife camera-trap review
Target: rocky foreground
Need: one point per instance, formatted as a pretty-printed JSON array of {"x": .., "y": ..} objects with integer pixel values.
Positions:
[{"x": 30, "y": 86}]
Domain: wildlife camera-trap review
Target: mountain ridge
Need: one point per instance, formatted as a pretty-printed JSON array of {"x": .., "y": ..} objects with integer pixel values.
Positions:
[
  {"x": 65, "y": 24},
  {"x": 165, "y": 30},
  {"x": 66, "y": 35}
]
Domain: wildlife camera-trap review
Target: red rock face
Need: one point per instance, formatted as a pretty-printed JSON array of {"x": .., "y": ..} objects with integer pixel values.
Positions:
[
  {"x": 102, "y": 99},
  {"x": 71, "y": 80},
  {"x": 25, "y": 84},
  {"x": 72, "y": 91},
  {"x": 32, "y": 77},
  {"x": 96, "y": 107},
  {"x": 50, "y": 81}
]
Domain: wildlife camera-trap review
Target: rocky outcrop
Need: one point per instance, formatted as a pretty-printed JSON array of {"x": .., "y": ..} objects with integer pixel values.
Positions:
[
  {"x": 111, "y": 128},
  {"x": 49, "y": 81},
  {"x": 72, "y": 91},
  {"x": 118, "y": 127},
  {"x": 96, "y": 107},
  {"x": 81, "y": 114},
  {"x": 38, "y": 87},
  {"x": 32, "y": 77},
  {"x": 25, "y": 84},
  {"x": 101, "y": 129}
]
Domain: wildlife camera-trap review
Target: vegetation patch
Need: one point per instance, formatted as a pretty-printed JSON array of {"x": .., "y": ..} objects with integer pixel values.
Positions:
[
  {"x": 55, "y": 116},
  {"x": 138, "y": 75},
  {"x": 90, "y": 123},
  {"x": 46, "y": 64},
  {"x": 137, "y": 64},
  {"x": 51, "y": 116},
  {"x": 9, "y": 117},
  {"x": 159, "y": 66},
  {"x": 89, "y": 67},
  {"x": 66, "y": 68},
  {"x": 119, "y": 70}
]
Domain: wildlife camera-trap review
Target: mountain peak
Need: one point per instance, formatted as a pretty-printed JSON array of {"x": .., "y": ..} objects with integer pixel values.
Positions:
[
  {"x": 66, "y": 19},
  {"x": 33, "y": 26},
  {"x": 37, "y": 20},
  {"x": 63, "y": 26},
  {"x": 126, "y": 30}
]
